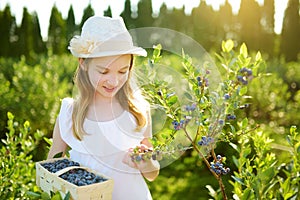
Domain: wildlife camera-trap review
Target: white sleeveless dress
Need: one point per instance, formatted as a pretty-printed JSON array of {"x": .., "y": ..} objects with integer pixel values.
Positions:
[{"x": 104, "y": 148}]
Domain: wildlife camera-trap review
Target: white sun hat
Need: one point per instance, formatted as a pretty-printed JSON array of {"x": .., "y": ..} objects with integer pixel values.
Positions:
[{"x": 104, "y": 36}]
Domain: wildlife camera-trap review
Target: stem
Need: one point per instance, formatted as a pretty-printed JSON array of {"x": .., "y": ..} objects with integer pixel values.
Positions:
[
  {"x": 218, "y": 177},
  {"x": 197, "y": 134},
  {"x": 250, "y": 130},
  {"x": 213, "y": 154}
]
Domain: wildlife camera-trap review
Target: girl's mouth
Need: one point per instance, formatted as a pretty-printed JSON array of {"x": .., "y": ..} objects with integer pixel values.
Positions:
[{"x": 109, "y": 90}]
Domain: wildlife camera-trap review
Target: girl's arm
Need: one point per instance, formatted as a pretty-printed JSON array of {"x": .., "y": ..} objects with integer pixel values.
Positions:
[{"x": 58, "y": 145}]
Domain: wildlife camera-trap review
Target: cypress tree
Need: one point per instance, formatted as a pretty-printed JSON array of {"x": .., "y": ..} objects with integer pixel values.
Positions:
[
  {"x": 145, "y": 11},
  {"x": 203, "y": 20},
  {"x": 268, "y": 22},
  {"x": 107, "y": 12},
  {"x": 88, "y": 12},
  {"x": 178, "y": 16},
  {"x": 268, "y": 19},
  {"x": 25, "y": 34},
  {"x": 249, "y": 18},
  {"x": 196, "y": 18},
  {"x": 39, "y": 45},
  {"x": 163, "y": 18},
  {"x": 144, "y": 19},
  {"x": 225, "y": 18},
  {"x": 71, "y": 25},
  {"x": 14, "y": 50},
  {"x": 127, "y": 15},
  {"x": 290, "y": 45},
  {"x": 7, "y": 30},
  {"x": 57, "y": 32}
]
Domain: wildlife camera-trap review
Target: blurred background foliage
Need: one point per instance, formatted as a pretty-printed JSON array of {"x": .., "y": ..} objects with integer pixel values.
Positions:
[
  {"x": 36, "y": 73},
  {"x": 253, "y": 24}
]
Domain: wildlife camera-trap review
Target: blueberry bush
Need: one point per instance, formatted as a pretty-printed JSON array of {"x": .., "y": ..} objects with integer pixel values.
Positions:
[
  {"x": 220, "y": 116},
  {"x": 209, "y": 111},
  {"x": 17, "y": 167},
  {"x": 32, "y": 92}
]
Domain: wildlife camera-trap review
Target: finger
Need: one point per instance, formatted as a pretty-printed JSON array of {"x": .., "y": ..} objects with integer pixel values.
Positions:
[{"x": 143, "y": 147}]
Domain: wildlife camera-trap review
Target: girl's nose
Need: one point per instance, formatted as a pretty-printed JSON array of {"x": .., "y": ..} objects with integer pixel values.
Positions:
[{"x": 112, "y": 81}]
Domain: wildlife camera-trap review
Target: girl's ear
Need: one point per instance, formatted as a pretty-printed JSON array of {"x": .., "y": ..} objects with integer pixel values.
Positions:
[{"x": 82, "y": 64}]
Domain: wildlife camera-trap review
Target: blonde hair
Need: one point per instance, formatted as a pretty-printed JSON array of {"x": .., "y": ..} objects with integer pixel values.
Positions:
[{"x": 86, "y": 94}]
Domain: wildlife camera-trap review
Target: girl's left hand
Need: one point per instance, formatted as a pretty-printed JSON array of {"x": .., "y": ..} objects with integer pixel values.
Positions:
[
  {"x": 141, "y": 158},
  {"x": 137, "y": 158}
]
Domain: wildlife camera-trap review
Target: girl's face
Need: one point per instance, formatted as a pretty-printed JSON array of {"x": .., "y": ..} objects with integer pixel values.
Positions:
[{"x": 109, "y": 74}]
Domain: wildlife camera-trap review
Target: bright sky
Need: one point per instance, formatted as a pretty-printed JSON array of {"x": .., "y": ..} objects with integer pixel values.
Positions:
[{"x": 43, "y": 8}]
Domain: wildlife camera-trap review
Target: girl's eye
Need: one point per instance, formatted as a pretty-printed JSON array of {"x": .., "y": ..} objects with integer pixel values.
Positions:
[
  {"x": 123, "y": 72},
  {"x": 102, "y": 72}
]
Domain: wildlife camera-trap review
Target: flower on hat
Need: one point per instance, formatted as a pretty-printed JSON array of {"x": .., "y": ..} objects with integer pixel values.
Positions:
[{"x": 79, "y": 45}]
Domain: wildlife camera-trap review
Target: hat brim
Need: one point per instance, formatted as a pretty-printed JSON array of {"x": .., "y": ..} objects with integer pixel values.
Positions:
[{"x": 138, "y": 51}]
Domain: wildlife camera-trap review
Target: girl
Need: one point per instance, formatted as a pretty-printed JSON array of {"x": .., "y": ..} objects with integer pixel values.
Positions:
[{"x": 109, "y": 117}]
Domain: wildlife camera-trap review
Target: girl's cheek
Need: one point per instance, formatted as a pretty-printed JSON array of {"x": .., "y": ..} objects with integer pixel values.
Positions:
[
  {"x": 125, "y": 77},
  {"x": 96, "y": 81},
  {"x": 123, "y": 81}
]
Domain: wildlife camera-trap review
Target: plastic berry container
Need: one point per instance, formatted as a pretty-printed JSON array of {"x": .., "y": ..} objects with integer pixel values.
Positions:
[{"x": 52, "y": 181}]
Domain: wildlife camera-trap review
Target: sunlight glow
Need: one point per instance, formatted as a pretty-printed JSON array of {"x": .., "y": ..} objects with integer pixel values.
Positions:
[
  {"x": 43, "y": 11},
  {"x": 280, "y": 6}
]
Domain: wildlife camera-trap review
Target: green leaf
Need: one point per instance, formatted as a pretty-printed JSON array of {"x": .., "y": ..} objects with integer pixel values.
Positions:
[
  {"x": 255, "y": 71},
  {"x": 219, "y": 57},
  {"x": 211, "y": 190},
  {"x": 48, "y": 141},
  {"x": 244, "y": 123},
  {"x": 45, "y": 196},
  {"x": 235, "y": 147},
  {"x": 293, "y": 130},
  {"x": 172, "y": 100},
  {"x": 244, "y": 50},
  {"x": 267, "y": 174},
  {"x": 26, "y": 124},
  {"x": 68, "y": 196},
  {"x": 232, "y": 129},
  {"x": 246, "y": 151},
  {"x": 58, "y": 155},
  {"x": 269, "y": 187},
  {"x": 10, "y": 116},
  {"x": 297, "y": 147},
  {"x": 258, "y": 56},
  {"x": 236, "y": 161},
  {"x": 239, "y": 180},
  {"x": 57, "y": 196},
  {"x": 243, "y": 91},
  {"x": 286, "y": 185},
  {"x": 246, "y": 194},
  {"x": 288, "y": 195},
  {"x": 52, "y": 193},
  {"x": 156, "y": 53},
  {"x": 4, "y": 141},
  {"x": 227, "y": 46},
  {"x": 33, "y": 195}
]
